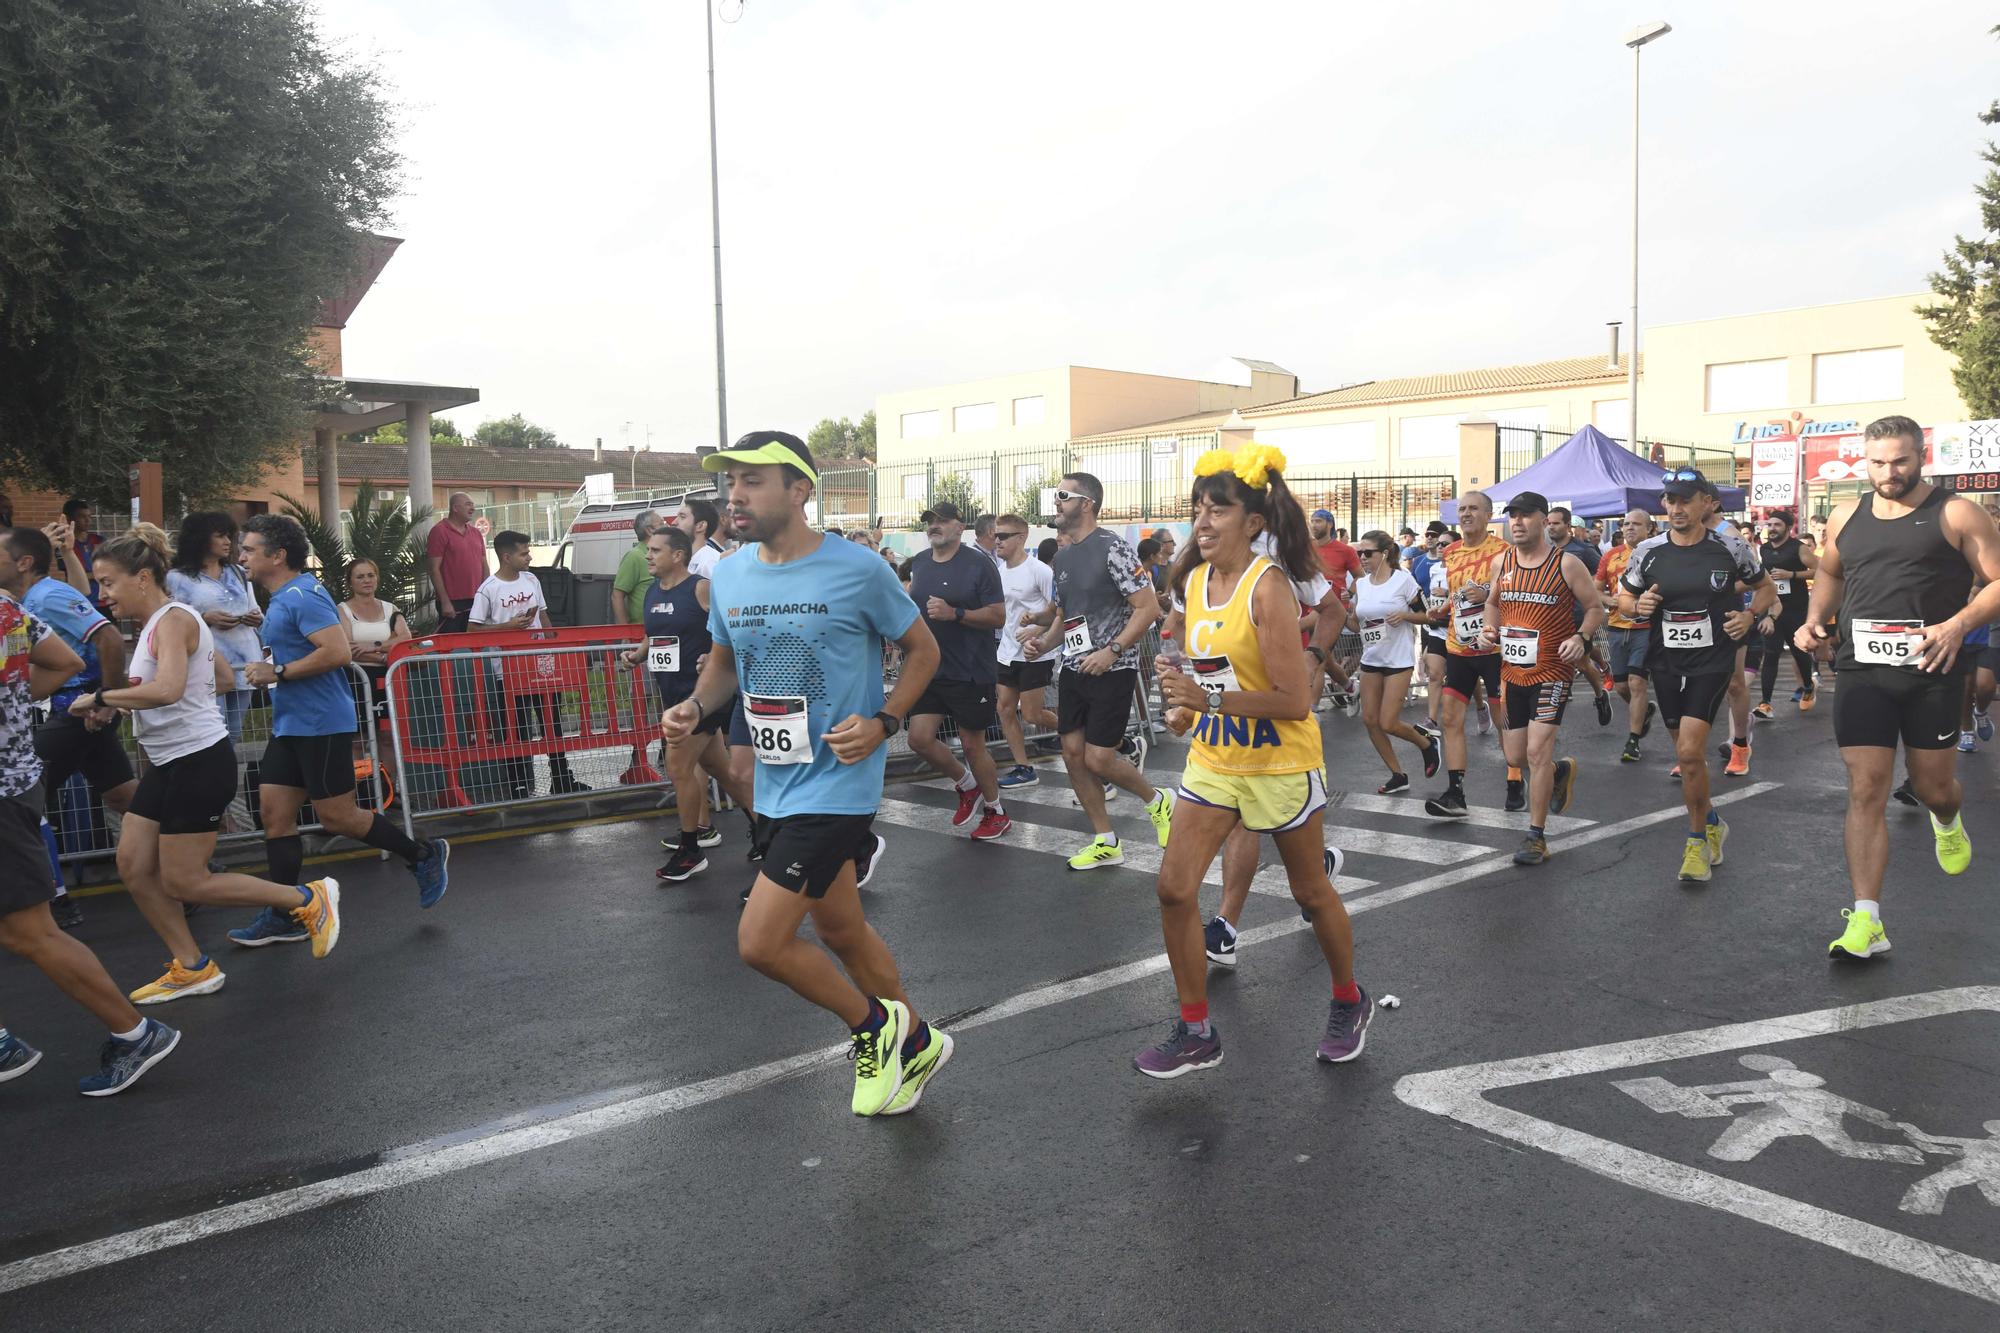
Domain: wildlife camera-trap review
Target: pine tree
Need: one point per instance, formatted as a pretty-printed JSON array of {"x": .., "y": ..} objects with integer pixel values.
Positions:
[{"x": 1966, "y": 320}]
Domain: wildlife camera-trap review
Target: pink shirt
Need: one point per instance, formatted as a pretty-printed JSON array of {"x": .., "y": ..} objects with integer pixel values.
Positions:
[{"x": 462, "y": 557}]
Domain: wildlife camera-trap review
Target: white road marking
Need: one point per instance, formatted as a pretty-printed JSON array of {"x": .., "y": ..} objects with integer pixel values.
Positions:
[
  {"x": 418, "y": 1163},
  {"x": 1411, "y": 806},
  {"x": 1461, "y": 1095}
]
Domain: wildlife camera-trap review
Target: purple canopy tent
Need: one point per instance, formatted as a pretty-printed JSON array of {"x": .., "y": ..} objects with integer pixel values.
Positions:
[{"x": 1596, "y": 477}]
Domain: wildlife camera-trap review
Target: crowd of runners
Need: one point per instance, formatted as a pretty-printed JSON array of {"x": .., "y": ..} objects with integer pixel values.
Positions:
[{"x": 768, "y": 665}]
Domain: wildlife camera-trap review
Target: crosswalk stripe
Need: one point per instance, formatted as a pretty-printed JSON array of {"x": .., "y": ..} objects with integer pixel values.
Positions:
[
  {"x": 1412, "y": 807},
  {"x": 1142, "y": 852}
]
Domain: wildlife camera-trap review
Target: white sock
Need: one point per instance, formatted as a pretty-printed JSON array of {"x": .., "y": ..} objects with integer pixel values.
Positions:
[
  {"x": 992, "y": 807},
  {"x": 134, "y": 1034},
  {"x": 1873, "y": 909},
  {"x": 1227, "y": 927},
  {"x": 1952, "y": 827},
  {"x": 1108, "y": 839},
  {"x": 966, "y": 782}
]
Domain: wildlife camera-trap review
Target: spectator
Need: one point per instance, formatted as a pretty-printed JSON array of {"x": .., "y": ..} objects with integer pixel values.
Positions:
[
  {"x": 1151, "y": 564},
  {"x": 627, "y": 596},
  {"x": 860, "y": 537},
  {"x": 1336, "y": 557},
  {"x": 983, "y": 538},
  {"x": 457, "y": 555},
  {"x": 205, "y": 576},
  {"x": 512, "y": 598},
  {"x": 1046, "y": 550},
  {"x": 1406, "y": 543},
  {"x": 701, "y": 521},
  {"x": 373, "y": 625},
  {"x": 83, "y": 541}
]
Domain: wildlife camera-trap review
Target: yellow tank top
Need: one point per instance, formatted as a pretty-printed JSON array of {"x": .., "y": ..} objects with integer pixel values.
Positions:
[{"x": 1223, "y": 653}]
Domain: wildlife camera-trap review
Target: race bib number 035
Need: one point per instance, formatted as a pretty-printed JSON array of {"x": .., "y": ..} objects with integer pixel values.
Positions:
[
  {"x": 1373, "y": 632},
  {"x": 778, "y": 728},
  {"x": 1687, "y": 629},
  {"x": 1888, "y": 642}
]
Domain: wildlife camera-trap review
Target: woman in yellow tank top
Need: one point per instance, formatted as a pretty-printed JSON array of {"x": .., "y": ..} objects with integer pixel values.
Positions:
[{"x": 1255, "y": 757}]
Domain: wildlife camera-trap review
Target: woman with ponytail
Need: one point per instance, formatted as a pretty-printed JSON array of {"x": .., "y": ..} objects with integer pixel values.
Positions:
[{"x": 1255, "y": 757}]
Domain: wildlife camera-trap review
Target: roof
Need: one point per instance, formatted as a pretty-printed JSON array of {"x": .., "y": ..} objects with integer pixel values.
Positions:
[
  {"x": 1268, "y": 367},
  {"x": 1568, "y": 371},
  {"x": 465, "y": 464},
  {"x": 352, "y": 405},
  {"x": 1197, "y": 421}
]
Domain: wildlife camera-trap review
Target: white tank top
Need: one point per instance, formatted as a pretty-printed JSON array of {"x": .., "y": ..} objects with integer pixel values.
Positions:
[
  {"x": 193, "y": 722},
  {"x": 367, "y": 633}
]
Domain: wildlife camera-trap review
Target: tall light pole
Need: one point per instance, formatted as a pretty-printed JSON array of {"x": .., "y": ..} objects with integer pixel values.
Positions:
[
  {"x": 1638, "y": 37},
  {"x": 715, "y": 224}
]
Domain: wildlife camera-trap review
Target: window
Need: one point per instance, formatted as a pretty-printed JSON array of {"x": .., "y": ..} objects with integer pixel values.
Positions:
[
  {"x": 1430, "y": 437},
  {"x": 1613, "y": 416},
  {"x": 1319, "y": 446},
  {"x": 1030, "y": 411},
  {"x": 920, "y": 425},
  {"x": 975, "y": 416},
  {"x": 1746, "y": 386},
  {"x": 1873, "y": 376}
]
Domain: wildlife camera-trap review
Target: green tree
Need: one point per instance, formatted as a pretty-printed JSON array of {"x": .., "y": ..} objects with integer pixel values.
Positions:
[
  {"x": 842, "y": 438},
  {"x": 444, "y": 434},
  {"x": 515, "y": 432},
  {"x": 1966, "y": 321},
  {"x": 183, "y": 183},
  {"x": 956, "y": 487},
  {"x": 1027, "y": 501},
  {"x": 379, "y": 530}
]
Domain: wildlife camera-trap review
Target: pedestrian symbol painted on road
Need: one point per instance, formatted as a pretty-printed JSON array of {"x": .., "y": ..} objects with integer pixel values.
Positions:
[{"x": 1789, "y": 1102}]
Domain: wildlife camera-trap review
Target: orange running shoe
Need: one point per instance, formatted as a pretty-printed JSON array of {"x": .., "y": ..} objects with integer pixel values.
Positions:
[
  {"x": 1739, "y": 762},
  {"x": 1807, "y": 700},
  {"x": 320, "y": 915}
]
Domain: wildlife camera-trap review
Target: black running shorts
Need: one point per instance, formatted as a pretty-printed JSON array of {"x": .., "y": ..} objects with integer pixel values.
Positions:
[
  {"x": 806, "y": 853},
  {"x": 1097, "y": 706},
  {"x": 1696, "y": 698},
  {"x": 189, "y": 794},
  {"x": 320, "y": 766},
  {"x": 1879, "y": 705},
  {"x": 966, "y": 702},
  {"x": 66, "y": 746},
  {"x": 25, "y": 880},
  {"x": 1025, "y": 676},
  {"x": 1542, "y": 703},
  {"x": 1462, "y": 673}
]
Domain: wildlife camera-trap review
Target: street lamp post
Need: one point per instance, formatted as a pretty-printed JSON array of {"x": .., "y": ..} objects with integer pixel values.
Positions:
[
  {"x": 715, "y": 225},
  {"x": 1638, "y": 37}
]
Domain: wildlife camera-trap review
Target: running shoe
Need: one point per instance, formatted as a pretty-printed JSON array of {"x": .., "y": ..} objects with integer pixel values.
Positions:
[
  {"x": 1447, "y": 804},
  {"x": 1181, "y": 1053},
  {"x": 1965, "y": 743},
  {"x": 1954, "y": 849},
  {"x": 970, "y": 805},
  {"x": 1346, "y": 1029},
  {"x": 122, "y": 1062},
  {"x": 877, "y": 1057},
  {"x": 1161, "y": 812},
  {"x": 1485, "y": 719},
  {"x": 1739, "y": 762},
  {"x": 1646, "y": 727},
  {"x": 685, "y": 863},
  {"x": 1021, "y": 775},
  {"x": 320, "y": 914},
  {"x": 1630, "y": 754},
  {"x": 1863, "y": 938},
  {"x": 1533, "y": 851},
  {"x": 1397, "y": 782},
  {"x": 992, "y": 825},
  {"x": 1517, "y": 795},
  {"x": 917, "y": 1071},
  {"x": 1718, "y": 833},
  {"x": 1694, "y": 860},
  {"x": 1798, "y": 695},
  {"x": 864, "y": 866},
  {"x": 1218, "y": 943},
  {"x": 271, "y": 926},
  {"x": 67, "y": 914},
  {"x": 1982, "y": 725},
  {"x": 1335, "y": 859},
  {"x": 1604, "y": 708},
  {"x": 433, "y": 874},
  {"x": 1565, "y": 786},
  {"x": 180, "y": 982},
  {"x": 1674, "y": 773},
  {"x": 1110, "y": 795},
  {"x": 1433, "y": 756},
  {"x": 1806, "y": 700},
  {"x": 16, "y": 1057},
  {"x": 708, "y": 835},
  {"x": 1906, "y": 795},
  {"x": 1133, "y": 751},
  {"x": 1762, "y": 712},
  {"x": 1429, "y": 729},
  {"x": 1098, "y": 855}
]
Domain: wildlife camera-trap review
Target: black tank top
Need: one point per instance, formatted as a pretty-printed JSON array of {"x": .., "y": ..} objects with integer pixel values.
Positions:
[
  {"x": 1900, "y": 569},
  {"x": 677, "y": 613},
  {"x": 1786, "y": 555}
]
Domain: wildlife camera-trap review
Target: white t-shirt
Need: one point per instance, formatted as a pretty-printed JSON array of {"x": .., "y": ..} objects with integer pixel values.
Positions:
[
  {"x": 704, "y": 560},
  {"x": 1310, "y": 593},
  {"x": 1385, "y": 643},
  {"x": 1028, "y": 587},
  {"x": 500, "y": 600}
]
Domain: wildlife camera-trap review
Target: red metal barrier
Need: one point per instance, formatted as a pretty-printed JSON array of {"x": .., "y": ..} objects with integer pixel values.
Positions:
[{"x": 438, "y": 725}]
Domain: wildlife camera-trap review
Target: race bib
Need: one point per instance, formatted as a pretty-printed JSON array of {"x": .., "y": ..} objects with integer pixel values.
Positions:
[
  {"x": 663, "y": 655},
  {"x": 1520, "y": 646},
  {"x": 778, "y": 728},
  {"x": 1213, "y": 674},
  {"x": 1469, "y": 624},
  {"x": 1687, "y": 629},
  {"x": 1437, "y": 602},
  {"x": 1784, "y": 587},
  {"x": 1076, "y": 636},
  {"x": 1888, "y": 642},
  {"x": 1373, "y": 632}
]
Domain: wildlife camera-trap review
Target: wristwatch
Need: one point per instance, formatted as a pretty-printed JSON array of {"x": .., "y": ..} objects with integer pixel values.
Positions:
[
  {"x": 278, "y": 670},
  {"x": 958, "y": 613},
  {"x": 1214, "y": 701},
  {"x": 891, "y": 724}
]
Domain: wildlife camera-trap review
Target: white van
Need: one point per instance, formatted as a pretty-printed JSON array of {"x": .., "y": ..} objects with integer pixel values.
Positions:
[{"x": 601, "y": 534}]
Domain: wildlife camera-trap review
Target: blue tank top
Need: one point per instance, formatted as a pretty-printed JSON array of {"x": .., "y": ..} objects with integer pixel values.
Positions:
[{"x": 675, "y": 614}]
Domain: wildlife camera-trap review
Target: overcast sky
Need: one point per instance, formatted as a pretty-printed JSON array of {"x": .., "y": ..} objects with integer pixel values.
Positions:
[{"x": 917, "y": 193}]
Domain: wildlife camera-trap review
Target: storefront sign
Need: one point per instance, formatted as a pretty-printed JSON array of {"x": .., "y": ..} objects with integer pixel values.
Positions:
[
  {"x": 1797, "y": 426},
  {"x": 1774, "y": 473}
]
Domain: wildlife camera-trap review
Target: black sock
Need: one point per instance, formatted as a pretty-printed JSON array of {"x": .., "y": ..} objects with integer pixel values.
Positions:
[
  {"x": 1457, "y": 780},
  {"x": 1536, "y": 831},
  {"x": 916, "y": 1041},
  {"x": 287, "y": 856},
  {"x": 1740, "y": 740},
  {"x": 386, "y": 836},
  {"x": 877, "y": 1016}
]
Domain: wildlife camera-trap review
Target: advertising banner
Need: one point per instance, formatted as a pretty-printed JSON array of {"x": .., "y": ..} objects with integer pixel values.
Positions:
[
  {"x": 1965, "y": 455},
  {"x": 1774, "y": 473}
]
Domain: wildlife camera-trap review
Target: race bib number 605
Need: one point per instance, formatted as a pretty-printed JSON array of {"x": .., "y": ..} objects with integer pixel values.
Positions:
[{"x": 1888, "y": 642}]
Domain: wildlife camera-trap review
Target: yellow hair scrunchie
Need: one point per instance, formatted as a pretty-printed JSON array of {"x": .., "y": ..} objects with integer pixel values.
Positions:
[{"x": 1253, "y": 464}]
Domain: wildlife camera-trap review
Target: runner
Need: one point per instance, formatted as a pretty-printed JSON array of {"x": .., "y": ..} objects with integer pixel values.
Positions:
[
  {"x": 798, "y": 626},
  {"x": 1899, "y": 563},
  {"x": 1564, "y": 535},
  {"x": 674, "y": 611},
  {"x": 1029, "y": 588},
  {"x": 1255, "y": 755},
  {"x": 1735, "y": 754},
  {"x": 310, "y": 755},
  {"x": 34, "y": 664},
  {"x": 1467, "y": 570},
  {"x": 957, "y": 588},
  {"x": 701, "y": 521},
  {"x": 169, "y": 834},
  {"x": 1689, "y": 582},
  {"x": 1628, "y": 639},
  {"x": 1540, "y": 614},
  {"x": 1432, "y": 634},
  {"x": 1788, "y": 565},
  {"x": 1389, "y": 606},
  {"x": 1103, "y": 606}
]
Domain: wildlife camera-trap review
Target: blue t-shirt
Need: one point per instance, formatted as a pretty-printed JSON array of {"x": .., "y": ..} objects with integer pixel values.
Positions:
[
  {"x": 70, "y": 614},
  {"x": 319, "y": 705},
  {"x": 812, "y": 628},
  {"x": 970, "y": 580}
]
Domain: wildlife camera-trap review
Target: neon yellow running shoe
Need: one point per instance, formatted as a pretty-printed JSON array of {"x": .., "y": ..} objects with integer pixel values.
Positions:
[
  {"x": 1694, "y": 861},
  {"x": 180, "y": 982},
  {"x": 1954, "y": 849},
  {"x": 917, "y": 1071},
  {"x": 1099, "y": 854},
  {"x": 1718, "y": 833},
  {"x": 1161, "y": 812},
  {"x": 878, "y": 1061},
  {"x": 1863, "y": 937}
]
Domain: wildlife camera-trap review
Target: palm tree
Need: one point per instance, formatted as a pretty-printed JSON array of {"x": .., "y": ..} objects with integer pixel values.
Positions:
[{"x": 378, "y": 530}]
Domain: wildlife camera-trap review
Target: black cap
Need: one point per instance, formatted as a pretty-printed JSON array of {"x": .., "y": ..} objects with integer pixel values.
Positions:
[
  {"x": 943, "y": 509},
  {"x": 1437, "y": 528},
  {"x": 1526, "y": 502},
  {"x": 1686, "y": 483}
]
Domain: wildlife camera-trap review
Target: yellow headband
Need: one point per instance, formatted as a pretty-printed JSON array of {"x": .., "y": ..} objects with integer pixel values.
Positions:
[{"x": 1253, "y": 464}]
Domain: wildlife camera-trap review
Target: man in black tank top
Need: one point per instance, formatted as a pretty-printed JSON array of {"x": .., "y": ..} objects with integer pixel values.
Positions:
[
  {"x": 1898, "y": 565},
  {"x": 1787, "y": 563}
]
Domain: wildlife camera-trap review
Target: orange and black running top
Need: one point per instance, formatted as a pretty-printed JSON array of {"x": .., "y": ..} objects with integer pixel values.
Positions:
[{"x": 1537, "y": 612}]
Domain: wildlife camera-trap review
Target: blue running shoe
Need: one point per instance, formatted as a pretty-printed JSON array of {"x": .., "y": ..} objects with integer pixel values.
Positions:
[
  {"x": 271, "y": 927},
  {"x": 16, "y": 1057},
  {"x": 124, "y": 1061},
  {"x": 1020, "y": 775},
  {"x": 1982, "y": 725},
  {"x": 433, "y": 874}
]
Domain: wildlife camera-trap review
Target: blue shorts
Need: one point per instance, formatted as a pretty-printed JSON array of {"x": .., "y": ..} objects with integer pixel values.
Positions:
[{"x": 1625, "y": 652}]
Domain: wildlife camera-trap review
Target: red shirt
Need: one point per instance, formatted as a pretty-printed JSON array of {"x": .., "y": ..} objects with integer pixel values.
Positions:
[
  {"x": 1339, "y": 561},
  {"x": 462, "y": 557}
]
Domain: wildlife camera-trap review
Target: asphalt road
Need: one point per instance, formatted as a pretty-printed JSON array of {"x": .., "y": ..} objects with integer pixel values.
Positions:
[{"x": 559, "y": 1101}]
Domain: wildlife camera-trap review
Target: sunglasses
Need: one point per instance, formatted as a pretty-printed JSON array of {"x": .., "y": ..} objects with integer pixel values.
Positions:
[
  {"x": 1064, "y": 497},
  {"x": 1009, "y": 536},
  {"x": 1680, "y": 474},
  {"x": 1367, "y": 550}
]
